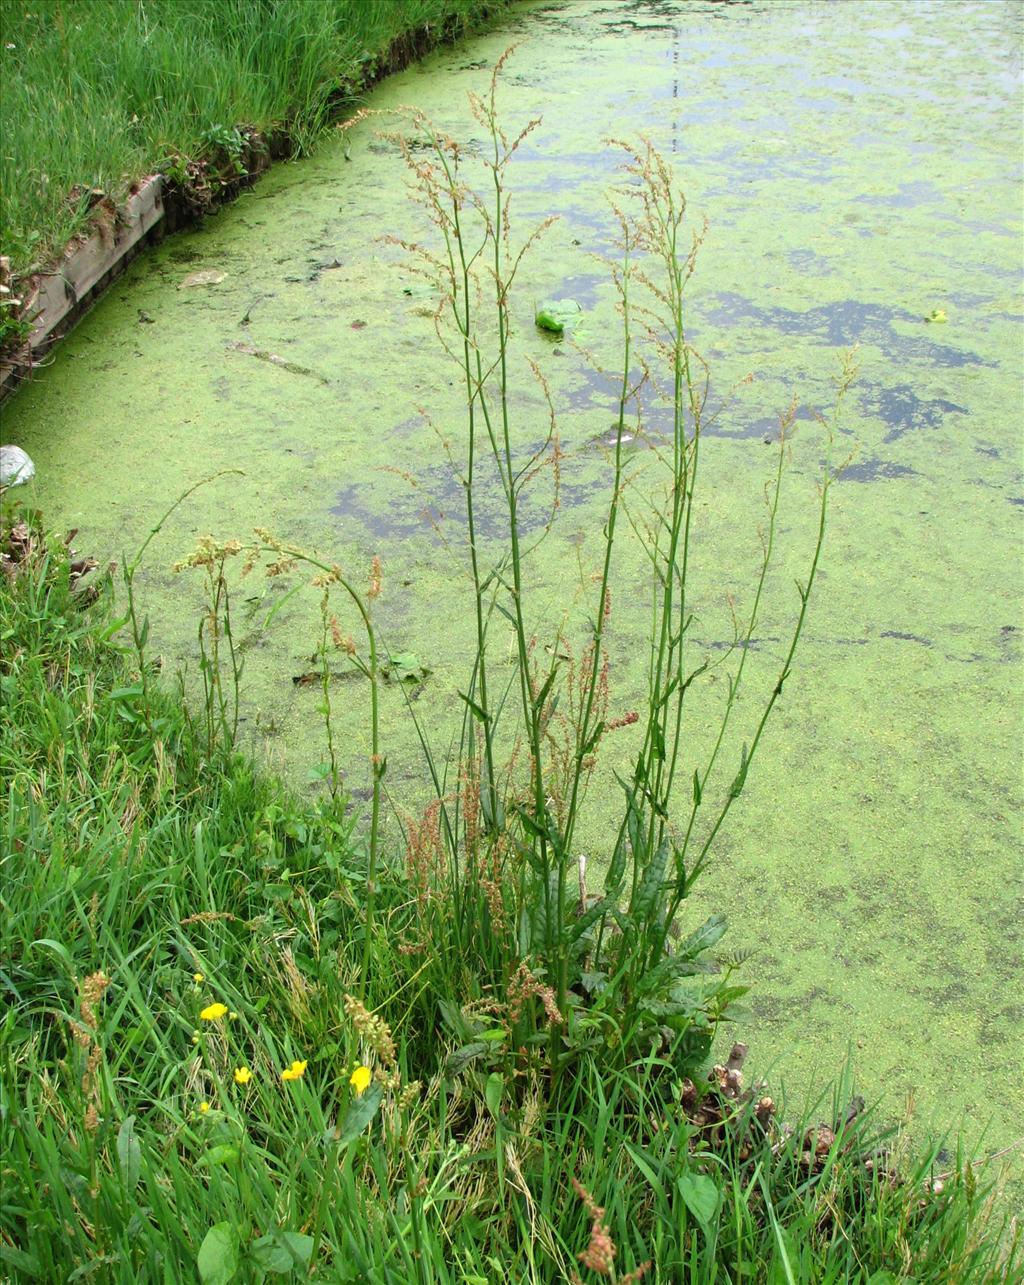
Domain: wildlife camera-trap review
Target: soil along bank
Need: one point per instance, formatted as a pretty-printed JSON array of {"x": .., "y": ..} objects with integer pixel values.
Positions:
[
  {"x": 122, "y": 122},
  {"x": 894, "y": 762}
]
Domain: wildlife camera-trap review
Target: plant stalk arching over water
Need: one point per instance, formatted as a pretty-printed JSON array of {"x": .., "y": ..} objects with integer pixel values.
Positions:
[{"x": 507, "y": 833}]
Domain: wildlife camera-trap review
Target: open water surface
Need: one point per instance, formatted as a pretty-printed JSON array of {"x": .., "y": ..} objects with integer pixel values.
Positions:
[{"x": 859, "y": 166}]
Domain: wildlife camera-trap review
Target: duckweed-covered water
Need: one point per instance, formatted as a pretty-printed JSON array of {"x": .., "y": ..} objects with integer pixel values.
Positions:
[{"x": 859, "y": 168}]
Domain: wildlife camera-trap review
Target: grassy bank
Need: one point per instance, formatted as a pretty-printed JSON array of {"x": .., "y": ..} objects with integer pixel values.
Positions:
[
  {"x": 147, "y": 1135},
  {"x": 98, "y": 93}
]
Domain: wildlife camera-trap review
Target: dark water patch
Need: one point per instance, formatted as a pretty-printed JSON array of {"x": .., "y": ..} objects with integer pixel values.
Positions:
[
  {"x": 902, "y": 637},
  {"x": 608, "y": 440},
  {"x": 591, "y": 228},
  {"x": 434, "y": 506},
  {"x": 948, "y": 994},
  {"x": 902, "y": 410},
  {"x": 631, "y": 26},
  {"x": 875, "y": 470},
  {"x": 565, "y": 173},
  {"x": 764, "y": 429},
  {"x": 841, "y": 325},
  {"x": 908, "y": 195},
  {"x": 778, "y": 164},
  {"x": 185, "y": 254},
  {"x": 407, "y": 514},
  {"x": 583, "y": 288},
  {"x": 597, "y": 391},
  {"x": 810, "y": 263},
  {"x": 728, "y": 644},
  {"x": 1008, "y": 643}
]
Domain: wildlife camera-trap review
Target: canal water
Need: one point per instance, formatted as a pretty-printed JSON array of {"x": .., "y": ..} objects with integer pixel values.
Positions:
[{"x": 859, "y": 169}]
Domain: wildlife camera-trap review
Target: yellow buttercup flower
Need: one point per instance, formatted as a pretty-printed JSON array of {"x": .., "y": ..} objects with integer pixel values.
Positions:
[
  {"x": 198, "y": 977},
  {"x": 213, "y": 1012},
  {"x": 204, "y": 1108},
  {"x": 295, "y": 1072},
  {"x": 242, "y": 1075},
  {"x": 360, "y": 1079}
]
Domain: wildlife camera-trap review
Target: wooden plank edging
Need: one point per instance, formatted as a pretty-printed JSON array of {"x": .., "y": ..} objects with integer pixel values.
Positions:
[{"x": 60, "y": 296}]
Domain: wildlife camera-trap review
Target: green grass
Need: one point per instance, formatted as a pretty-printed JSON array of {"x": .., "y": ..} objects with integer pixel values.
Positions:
[
  {"x": 134, "y": 860},
  {"x": 99, "y": 93}
]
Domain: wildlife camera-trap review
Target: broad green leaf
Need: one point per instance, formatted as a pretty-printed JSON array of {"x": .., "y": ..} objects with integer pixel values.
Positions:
[
  {"x": 703, "y": 938},
  {"x": 299, "y": 1246},
  {"x": 493, "y": 1090},
  {"x": 129, "y": 1153},
  {"x": 218, "y": 1255},
  {"x": 225, "y": 1153},
  {"x": 24, "y": 1263},
  {"x": 701, "y": 1196},
  {"x": 594, "y": 983},
  {"x": 271, "y": 1256},
  {"x": 616, "y": 869},
  {"x": 462, "y": 1057},
  {"x": 360, "y": 1113},
  {"x": 683, "y": 1006},
  {"x": 577, "y": 927},
  {"x": 646, "y": 899},
  {"x": 281, "y": 1252}
]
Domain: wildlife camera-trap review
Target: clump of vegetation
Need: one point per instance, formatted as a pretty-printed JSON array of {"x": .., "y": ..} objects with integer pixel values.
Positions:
[
  {"x": 244, "y": 1038},
  {"x": 100, "y": 93}
]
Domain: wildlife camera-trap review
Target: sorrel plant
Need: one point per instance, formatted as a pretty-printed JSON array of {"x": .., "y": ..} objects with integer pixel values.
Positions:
[{"x": 495, "y": 860}]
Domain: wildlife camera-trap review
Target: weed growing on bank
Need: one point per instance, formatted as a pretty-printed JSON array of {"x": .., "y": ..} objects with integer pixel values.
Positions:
[{"x": 245, "y": 1039}]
